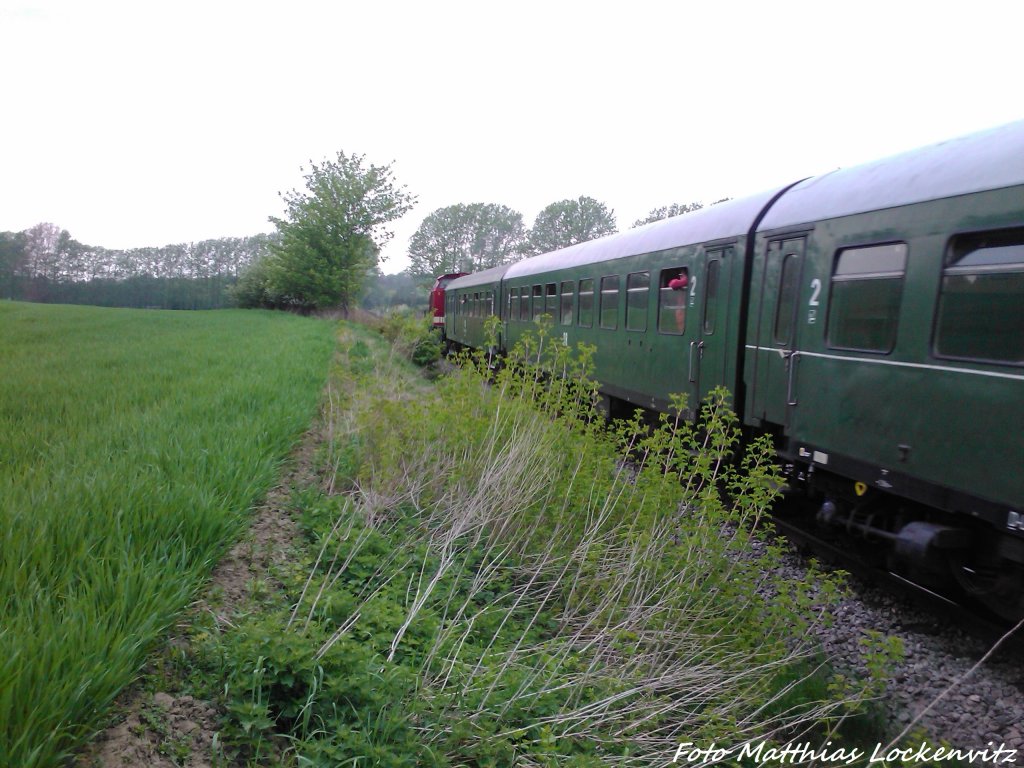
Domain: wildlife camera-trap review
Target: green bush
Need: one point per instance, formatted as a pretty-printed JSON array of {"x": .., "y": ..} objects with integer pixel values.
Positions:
[{"x": 412, "y": 337}]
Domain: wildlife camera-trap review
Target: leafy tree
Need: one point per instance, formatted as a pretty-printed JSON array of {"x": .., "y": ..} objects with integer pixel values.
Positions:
[
  {"x": 12, "y": 263},
  {"x": 676, "y": 209},
  {"x": 568, "y": 222},
  {"x": 386, "y": 292},
  {"x": 331, "y": 234},
  {"x": 466, "y": 238}
]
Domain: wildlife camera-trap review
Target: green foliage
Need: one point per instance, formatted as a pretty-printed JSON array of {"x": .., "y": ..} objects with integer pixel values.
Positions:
[
  {"x": 253, "y": 289},
  {"x": 396, "y": 292},
  {"x": 12, "y": 264},
  {"x": 466, "y": 238},
  {"x": 414, "y": 338},
  {"x": 568, "y": 222},
  {"x": 45, "y": 264},
  {"x": 503, "y": 579},
  {"x": 133, "y": 444},
  {"x": 331, "y": 234}
]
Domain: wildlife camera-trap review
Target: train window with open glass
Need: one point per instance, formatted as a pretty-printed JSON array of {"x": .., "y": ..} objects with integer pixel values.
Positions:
[
  {"x": 672, "y": 293},
  {"x": 538, "y": 301},
  {"x": 551, "y": 300},
  {"x": 638, "y": 287},
  {"x": 585, "y": 310},
  {"x": 565, "y": 317},
  {"x": 981, "y": 302},
  {"x": 864, "y": 305},
  {"x": 524, "y": 303},
  {"x": 609, "y": 312}
]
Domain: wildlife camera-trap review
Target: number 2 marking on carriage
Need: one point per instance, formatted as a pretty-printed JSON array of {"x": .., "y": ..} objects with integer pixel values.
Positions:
[{"x": 812, "y": 313}]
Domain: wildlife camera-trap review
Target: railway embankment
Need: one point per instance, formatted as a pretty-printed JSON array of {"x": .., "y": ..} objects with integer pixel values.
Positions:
[{"x": 473, "y": 577}]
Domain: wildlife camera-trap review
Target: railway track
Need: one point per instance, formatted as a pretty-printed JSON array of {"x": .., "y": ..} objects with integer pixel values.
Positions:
[
  {"x": 957, "y": 681},
  {"x": 801, "y": 531}
]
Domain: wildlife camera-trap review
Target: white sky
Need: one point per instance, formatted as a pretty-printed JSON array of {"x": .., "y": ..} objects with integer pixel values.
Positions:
[{"x": 147, "y": 123}]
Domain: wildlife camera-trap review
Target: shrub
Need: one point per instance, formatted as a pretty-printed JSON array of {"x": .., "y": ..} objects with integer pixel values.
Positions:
[{"x": 412, "y": 337}]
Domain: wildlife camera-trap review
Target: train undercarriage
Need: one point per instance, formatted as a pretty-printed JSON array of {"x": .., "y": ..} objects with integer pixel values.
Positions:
[{"x": 950, "y": 553}]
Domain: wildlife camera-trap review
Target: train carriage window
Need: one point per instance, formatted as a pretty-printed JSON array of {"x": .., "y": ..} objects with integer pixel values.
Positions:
[
  {"x": 711, "y": 296},
  {"x": 981, "y": 303},
  {"x": 538, "y": 301},
  {"x": 566, "y": 303},
  {"x": 864, "y": 304},
  {"x": 638, "y": 286},
  {"x": 524, "y": 303},
  {"x": 609, "y": 312},
  {"x": 785, "y": 309},
  {"x": 585, "y": 311},
  {"x": 551, "y": 300},
  {"x": 672, "y": 293}
]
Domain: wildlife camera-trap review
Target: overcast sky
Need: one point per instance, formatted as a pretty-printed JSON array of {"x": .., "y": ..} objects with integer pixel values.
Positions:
[{"x": 147, "y": 123}]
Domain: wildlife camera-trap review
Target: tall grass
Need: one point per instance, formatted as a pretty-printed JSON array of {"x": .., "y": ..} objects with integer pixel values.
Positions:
[
  {"x": 501, "y": 580},
  {"x": 132, "y": 444}
]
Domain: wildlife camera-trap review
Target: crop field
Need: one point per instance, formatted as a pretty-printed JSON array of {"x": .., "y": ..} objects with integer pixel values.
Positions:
[{"x": 132, "y": 444}]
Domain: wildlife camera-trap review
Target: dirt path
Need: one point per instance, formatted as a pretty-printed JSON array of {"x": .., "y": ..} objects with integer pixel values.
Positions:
[{"x": 163, "y": 730}]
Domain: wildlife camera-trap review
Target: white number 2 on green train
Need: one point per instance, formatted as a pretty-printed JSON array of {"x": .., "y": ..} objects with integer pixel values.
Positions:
[{"x": 812, "y": 311}]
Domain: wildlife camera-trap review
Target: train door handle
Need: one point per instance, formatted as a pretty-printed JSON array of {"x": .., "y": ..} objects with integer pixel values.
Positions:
[{"x": 699, "y": 345}]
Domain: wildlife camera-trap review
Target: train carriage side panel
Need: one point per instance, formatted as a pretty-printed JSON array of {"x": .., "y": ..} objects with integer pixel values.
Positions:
[
  {"x": 868, "y": 352},
  {"x": 473, "y": 299},
  {"x": 661, "y": 304}
]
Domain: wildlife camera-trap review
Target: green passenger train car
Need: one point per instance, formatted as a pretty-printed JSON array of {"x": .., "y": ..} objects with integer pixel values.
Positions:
[
  {"x": 871, "y": 320},
  {"x": 662, "y": 304},
  {"x": 885, "y": 346},
  {"x": 469, "y": 301}
]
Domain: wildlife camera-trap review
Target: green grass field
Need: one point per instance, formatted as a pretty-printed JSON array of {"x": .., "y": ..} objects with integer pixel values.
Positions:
[{"x": 132, "y": 444}]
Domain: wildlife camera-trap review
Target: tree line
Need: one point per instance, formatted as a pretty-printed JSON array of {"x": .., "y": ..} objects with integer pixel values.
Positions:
[
  {"x": 324, "y": 255},
  {"x": 45, "y": 264},
  {"x": 330, "y": 238},
  {"x": 469, "y": 238}
]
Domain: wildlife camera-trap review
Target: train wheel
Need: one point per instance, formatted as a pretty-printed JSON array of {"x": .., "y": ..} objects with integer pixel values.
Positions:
[{"x": 999, "y": 588}]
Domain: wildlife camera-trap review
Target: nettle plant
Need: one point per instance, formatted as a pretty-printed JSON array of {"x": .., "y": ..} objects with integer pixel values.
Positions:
[{"x": 522, "y": 580}]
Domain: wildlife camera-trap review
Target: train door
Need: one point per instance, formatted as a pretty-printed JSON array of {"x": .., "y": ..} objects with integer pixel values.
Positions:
[
  {"x": 708, "y": 353},
  {"x": 776, "y": 356}
]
